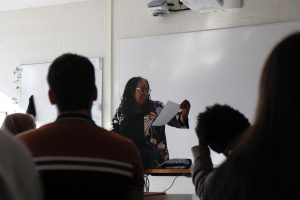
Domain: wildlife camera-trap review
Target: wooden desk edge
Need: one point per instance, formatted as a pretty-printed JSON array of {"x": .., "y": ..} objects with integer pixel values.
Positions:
[
  {"x": 168, "y": 171},
  {"x": 149, "y": 194}
]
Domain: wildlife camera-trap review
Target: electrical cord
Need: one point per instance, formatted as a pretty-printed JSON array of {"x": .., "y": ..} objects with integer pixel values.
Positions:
[
  {"x": 171, "y": 10},
  {"x": 171, "y": 184}
]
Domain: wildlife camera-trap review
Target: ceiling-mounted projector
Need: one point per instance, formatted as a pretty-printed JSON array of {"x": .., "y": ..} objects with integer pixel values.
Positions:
[
  {"x": 158, "y": 7},
  {"x": 164, "y": 7},
  {"x": 211, "y": 5},
  {"x": 203, "y": 4}
]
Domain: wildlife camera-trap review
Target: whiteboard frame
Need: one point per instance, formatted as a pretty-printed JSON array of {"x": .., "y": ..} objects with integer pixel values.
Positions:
[{"x": 23, "y": 96}]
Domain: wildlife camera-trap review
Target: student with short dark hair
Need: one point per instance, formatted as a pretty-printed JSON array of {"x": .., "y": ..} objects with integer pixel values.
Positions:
[
  {"x": 71, "y": 79},
  {"x": 74, "y": 137},
  {"x": 264, "y": 164},
  {"x": 218, "y": 128}
]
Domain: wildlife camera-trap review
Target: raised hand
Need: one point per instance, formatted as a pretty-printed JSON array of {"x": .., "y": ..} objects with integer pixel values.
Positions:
[{"x": 185, "y": 109}]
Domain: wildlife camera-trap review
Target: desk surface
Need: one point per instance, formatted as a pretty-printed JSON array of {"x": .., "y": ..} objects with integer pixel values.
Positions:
[
  {"x": 168, "y": 172},
  {"x": 165, "y": 172},
  {"x": 164, "y": 196},
  {"x": 181, "y": 197}
]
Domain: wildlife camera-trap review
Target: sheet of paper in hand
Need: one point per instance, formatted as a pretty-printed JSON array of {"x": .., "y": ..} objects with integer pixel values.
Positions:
[{"x": 166, "y": 114}]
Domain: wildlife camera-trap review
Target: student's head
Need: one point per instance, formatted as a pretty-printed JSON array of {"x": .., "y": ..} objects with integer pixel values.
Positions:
[
  {"x": 219, "y": 125},
  {"x": 17, "y": 123},
  {"x": 277, "y": 113},
  {"x": 71, "y": 79},
  {"x": 279, "y": 85}
]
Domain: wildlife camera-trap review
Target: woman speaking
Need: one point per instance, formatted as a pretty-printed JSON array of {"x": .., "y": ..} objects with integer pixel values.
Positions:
[{"x": 135, "y": 115}]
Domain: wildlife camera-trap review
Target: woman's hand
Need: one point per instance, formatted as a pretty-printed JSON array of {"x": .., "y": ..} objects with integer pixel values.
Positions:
[{"x": 185, "y": 109}]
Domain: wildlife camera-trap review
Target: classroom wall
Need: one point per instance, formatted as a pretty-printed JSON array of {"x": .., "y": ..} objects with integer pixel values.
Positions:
[
  {"x": 131, "y": 18},
  {"x": 41, "y": 34}
]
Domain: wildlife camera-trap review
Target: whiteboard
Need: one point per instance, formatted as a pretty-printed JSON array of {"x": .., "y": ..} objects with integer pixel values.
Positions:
[
  {"x": 206, "y": 67},
  {"x": 34, "y": 82}
]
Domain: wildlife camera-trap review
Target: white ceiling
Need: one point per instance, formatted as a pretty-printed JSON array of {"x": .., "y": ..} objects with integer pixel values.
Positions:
[{"x": 22, "y": 4}]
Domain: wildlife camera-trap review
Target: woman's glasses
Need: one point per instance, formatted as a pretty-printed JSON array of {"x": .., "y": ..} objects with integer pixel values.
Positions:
[{"x": 144, "y": 91}]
